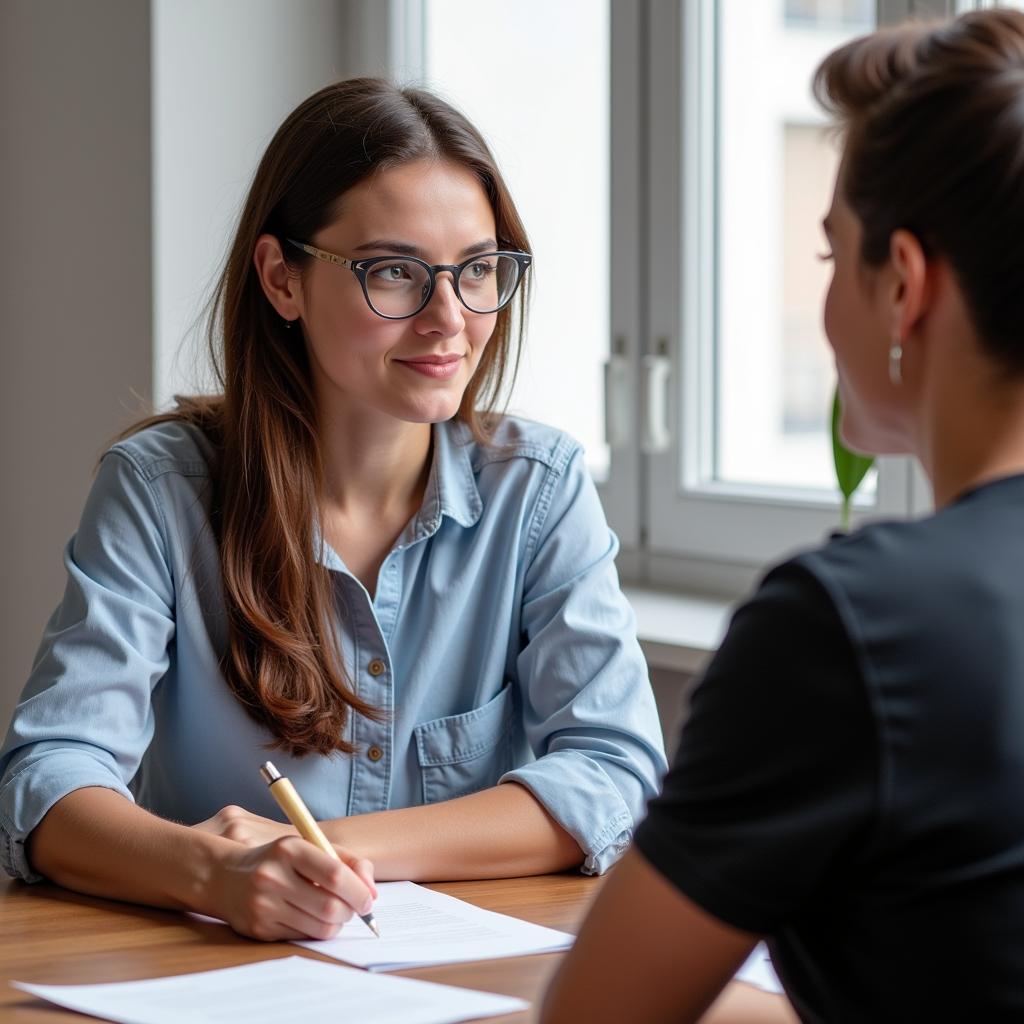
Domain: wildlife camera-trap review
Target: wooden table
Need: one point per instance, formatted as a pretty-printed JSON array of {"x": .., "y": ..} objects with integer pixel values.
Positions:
[{"x": 52, "y": 936}]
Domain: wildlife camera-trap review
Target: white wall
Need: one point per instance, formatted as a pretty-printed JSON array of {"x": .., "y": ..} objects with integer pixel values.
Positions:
[
  {"x": 75, "y": 291},
  {"x": 225, "y": 74},
  {"x": 130, "y": 130},
  {"x": 550, "y": 136}
]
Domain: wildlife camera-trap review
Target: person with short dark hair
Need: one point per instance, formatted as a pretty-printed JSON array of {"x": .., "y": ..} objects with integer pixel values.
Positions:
[{"x": 850, "y": 783}]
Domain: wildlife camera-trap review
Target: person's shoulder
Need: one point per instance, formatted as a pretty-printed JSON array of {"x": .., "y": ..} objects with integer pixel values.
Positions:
[
  {"x": 516, "y": 439},
  {"x": 171, "y": 446},
  {"x": 905, "y": 554},
  {"x": 880, "y": 558},
  {"x": 922, "y": 569},
  {"x": 876, "y": 547}
]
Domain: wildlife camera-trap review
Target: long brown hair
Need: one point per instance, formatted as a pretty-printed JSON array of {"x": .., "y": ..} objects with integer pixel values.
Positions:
[
  {"x": 283, "y": 660},
  {"x": 934, "y": 124}
]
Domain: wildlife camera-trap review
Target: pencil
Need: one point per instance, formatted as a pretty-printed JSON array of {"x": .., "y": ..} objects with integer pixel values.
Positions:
[{"x": 290, "y": 802}]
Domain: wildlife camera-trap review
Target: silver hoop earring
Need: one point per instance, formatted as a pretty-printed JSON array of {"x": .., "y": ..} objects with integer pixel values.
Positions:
[{"x": 896, "y": 363}]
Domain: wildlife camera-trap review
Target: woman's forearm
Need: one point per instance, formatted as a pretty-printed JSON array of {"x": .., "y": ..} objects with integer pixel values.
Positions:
[
  {"x": 499, "y": 833},
  {"x": 97, "y": 842}
]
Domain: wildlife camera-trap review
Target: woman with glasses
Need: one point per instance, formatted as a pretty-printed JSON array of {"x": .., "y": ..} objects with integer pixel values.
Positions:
[
  {"x": 851, "y": 780},
  {"x": 349, "y": 559}
]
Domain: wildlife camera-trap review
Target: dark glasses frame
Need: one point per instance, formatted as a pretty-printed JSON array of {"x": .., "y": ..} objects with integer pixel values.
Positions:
[{"x": 361, "y": 267}]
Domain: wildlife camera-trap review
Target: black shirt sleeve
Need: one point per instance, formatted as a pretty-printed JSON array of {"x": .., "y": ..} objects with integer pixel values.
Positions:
[{"x": 771, "y": 792}]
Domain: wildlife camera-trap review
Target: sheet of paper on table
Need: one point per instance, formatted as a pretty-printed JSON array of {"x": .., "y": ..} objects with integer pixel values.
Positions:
[
  {"x": 420, "y": 927},
  {"x": 274, "y": 991},
  {"x": 758, "y": 970}
]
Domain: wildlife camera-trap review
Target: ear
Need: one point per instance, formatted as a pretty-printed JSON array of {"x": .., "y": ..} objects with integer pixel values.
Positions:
[
  {"x": 281, "y": 285},
  {"x": 910, "y": 295}
]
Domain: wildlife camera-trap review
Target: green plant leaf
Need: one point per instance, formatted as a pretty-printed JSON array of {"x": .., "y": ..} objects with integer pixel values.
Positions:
[{"x": 851, "y": 468}]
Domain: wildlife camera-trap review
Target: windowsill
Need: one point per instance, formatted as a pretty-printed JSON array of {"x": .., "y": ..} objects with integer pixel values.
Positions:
[{"x": 677, "y": 631}]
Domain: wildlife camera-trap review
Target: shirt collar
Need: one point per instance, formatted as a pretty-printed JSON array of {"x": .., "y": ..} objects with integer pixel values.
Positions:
[
  {"x": 451, "y": 491},
  {"x": 451, "y": 487}
]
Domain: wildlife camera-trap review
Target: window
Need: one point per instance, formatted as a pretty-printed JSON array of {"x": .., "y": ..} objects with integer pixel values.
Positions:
[
  {"x": 775, "y": 168},
  {"x": 674, "y": 146}
]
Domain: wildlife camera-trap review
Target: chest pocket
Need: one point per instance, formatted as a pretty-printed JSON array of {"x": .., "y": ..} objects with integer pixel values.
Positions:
[{"x": 462, "y": 754}]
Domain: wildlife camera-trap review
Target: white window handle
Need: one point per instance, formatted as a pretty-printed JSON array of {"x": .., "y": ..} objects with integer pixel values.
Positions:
[{"x": 657, "y": 373}]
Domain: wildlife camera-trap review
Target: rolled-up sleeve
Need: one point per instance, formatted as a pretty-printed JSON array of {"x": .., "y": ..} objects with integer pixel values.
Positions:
[
  {"x": 85, "y": 716},
  {"x": 588, "y": 708}
]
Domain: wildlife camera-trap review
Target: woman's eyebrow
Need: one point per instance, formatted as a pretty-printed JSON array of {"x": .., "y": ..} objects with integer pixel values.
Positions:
[
  {"x": 406, "y": 249},
  {"x": 487, "y": 245}
]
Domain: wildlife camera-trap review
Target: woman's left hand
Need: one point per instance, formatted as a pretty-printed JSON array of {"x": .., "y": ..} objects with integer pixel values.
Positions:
[{"x": 244, "y": 827}]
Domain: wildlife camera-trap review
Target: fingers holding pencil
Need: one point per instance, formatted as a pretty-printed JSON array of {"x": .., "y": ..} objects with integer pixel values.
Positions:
[
  {"x": 363, "y": 868},
  {"x": 289, "y": 889},
  {"x": 295, "y": 810},
  {"x": 344, "y": 875},
  {"x": 343, "y": 879}
]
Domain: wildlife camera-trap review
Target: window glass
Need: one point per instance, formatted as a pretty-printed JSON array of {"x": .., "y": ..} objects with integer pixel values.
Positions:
[
  {"x": 776, "y": 163},
  {"x": 546, "y": 118},
  {"x": 830, "y": 13}
]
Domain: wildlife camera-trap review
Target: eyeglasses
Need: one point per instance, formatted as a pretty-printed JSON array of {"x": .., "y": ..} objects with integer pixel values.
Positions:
[{"x": 398, "y": 287}]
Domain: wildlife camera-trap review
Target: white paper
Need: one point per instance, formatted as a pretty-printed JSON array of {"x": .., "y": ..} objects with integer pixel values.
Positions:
[
  {"x": 277, "y": 992},
  {"x": 758, "y": 971},
  {"x": 420, "y": 927}
]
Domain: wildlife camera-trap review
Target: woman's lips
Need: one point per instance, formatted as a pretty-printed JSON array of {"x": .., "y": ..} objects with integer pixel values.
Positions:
[{"x": 435, "y": 367}]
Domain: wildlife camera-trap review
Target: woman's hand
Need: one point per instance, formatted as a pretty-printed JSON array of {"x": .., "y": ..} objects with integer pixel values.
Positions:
[
  {"x": 244, "y": 827},
  {"x": 288, "y": 889}
]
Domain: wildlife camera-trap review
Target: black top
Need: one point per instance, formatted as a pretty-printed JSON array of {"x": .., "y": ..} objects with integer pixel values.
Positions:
[{"x": 850, "y": 782}]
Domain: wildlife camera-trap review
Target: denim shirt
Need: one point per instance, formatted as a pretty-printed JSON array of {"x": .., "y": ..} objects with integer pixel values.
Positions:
[{"x": 497, "y": 640}]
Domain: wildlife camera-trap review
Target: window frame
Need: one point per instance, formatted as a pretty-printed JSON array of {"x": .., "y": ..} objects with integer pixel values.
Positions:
[
  {"x": 701, "y": 532},
  {"x": 677, "y": 529}
]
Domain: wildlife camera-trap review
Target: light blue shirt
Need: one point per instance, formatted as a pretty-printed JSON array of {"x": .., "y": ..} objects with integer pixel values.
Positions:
[{"x": 497, "y": 640}]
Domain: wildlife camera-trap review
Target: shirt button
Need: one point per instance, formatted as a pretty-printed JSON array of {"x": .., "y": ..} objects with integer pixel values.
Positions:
[
  {"x": 375, "y": 753},
  {"x": 376, "y": 667}
]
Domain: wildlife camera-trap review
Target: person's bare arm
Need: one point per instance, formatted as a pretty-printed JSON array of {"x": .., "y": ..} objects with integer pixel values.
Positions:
[
  {"x": 498, "y": 833},
  {"x": 741, "y": 1003},
  {"x": 645, "y": 952},
  {"x": 95, "y": 841}
]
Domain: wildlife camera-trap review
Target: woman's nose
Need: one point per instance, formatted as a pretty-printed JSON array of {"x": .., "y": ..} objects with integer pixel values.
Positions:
[{"x": 444, "y": 311}]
